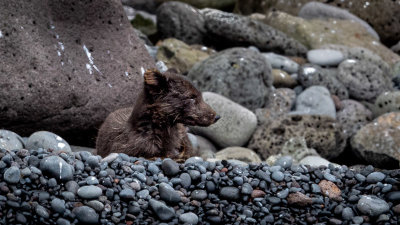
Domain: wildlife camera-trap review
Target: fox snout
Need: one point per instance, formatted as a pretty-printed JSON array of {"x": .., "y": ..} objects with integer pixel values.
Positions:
[{"x": 217, "y": 117}]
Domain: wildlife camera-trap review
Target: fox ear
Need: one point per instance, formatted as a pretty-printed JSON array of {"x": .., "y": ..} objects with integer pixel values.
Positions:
[{"x": 153, "y": 77}]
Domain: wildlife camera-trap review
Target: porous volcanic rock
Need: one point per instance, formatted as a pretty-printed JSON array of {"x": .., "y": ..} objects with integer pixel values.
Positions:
[
  {"x": 65, "y": 65},
  {"x": 321, "y": 133}
]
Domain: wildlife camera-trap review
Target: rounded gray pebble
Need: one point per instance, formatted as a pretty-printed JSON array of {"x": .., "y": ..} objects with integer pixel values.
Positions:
[
  {"x": 278, "y": 176},
  {"x": 375, "y": 177},
  {"x": 58, "y": 205},
  {"x": 284, "y": 162},
  {"x": 89, "y": 192},
  {"x": 347, "y": 213},
  {"x": 230, "y": 193},
  {"x": 86, "y": 215},
  {"x": 372, "y": 205},
  {"x": 170, "y": 167},
  {"x": 189, "y": 218},
  {"x": 163, "y": 212},
  {"x": 12, "y": 175}
]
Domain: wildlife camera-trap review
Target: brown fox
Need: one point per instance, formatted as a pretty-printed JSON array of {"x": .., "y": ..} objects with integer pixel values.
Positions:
[{"x": 154, "y": 126}]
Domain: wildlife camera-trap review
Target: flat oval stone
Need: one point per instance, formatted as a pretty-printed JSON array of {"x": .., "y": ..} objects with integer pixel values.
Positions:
[
  {"x": 89, "y": 192},
  {"x": 230, "y": 193},
  {"x": 325, "y": 57},
  {"x": 372, "y": 205}
]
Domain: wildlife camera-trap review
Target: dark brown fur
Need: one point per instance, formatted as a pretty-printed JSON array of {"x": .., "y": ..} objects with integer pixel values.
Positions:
[{"x": 154, "y": 127}]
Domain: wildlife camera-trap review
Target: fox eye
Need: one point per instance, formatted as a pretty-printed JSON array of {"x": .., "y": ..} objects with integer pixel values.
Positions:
[{"x": 192, "y": 100}]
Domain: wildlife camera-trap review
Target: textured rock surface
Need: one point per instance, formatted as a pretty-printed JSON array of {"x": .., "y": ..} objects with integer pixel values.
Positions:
[
  {"x": 387, "y": 102},
  {"x": 363, "y": 80},
  {"x": 379, "y": 141},
  {"x": 234, "y": 30},
  {"x": 352, "y": 116},
  {"x": 181, "y": 21},
  {"x": 220, "y": 4},
  {"x": 312, "y": 33},
  {"x": 280, "y": 102},
  {"x": 321, "y": 133},
  {"x": 240, "y": 74},
  {"x": 176, "y": 54},
  {"x": 314, "y": 10},
  {"x": 57, "y": 79},
  {"x": 381, "y": 14},
  {"x": 310, "y": 75},
  {"x": 238, "y": 153},
  {"x": 236, "y": 125},
  {"x": 315, "y": 100}
]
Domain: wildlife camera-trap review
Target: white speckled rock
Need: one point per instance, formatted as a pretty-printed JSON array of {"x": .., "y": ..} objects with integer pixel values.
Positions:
[
  {"x": 325, "y": 57},
  {"x": 315, "y": 100},
  {"x": 314, "y": 161},
  {"x": 387, "y": 102},
  {"x": 47, "y": 140},
  {"x": 281, "y": 62},
  {"x": 10, "y": 140},
  {"x": 238, "y": 153},
  {"x": 236, "y": 125}
]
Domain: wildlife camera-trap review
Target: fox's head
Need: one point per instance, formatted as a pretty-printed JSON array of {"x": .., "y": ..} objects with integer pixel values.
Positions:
[{"x": 174, "y": 98}]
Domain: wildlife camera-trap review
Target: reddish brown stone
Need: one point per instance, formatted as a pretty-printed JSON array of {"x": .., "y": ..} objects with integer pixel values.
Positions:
[
  {"x": 330, "y": 190},
  {"x": 257, "y": 194},
  {"x": 299, "y": 199}
]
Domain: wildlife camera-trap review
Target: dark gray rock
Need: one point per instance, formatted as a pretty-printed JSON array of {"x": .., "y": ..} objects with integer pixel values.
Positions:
[
  {"x": 239, "y": 74},
  {"x": 170, "y": 167},
  {"x": 86, "y": 215},
  {"x": 375, "y": 177},
  {"x": 58, "y": 205},
  {"x": 310, "y": 75},
  {"x": 199, "y": 195},
  {"x": 181, "y": 21},
  {"x": 43, "y": 53},
  {"x": 228, "y": 29},
  {"x": 127, "y": 194},
  {"x": 168, "y": 194},
  {"x": 163, "y": 212},
  {"x": 42, "y": 211},
  {"x": 56, "y": 167},
  {"x": 12, "y": 175},
  {"x": 230, "y": 193}
]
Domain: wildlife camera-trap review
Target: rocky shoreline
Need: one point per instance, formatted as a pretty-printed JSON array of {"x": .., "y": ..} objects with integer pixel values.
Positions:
[{"x": 44, "y": 187}]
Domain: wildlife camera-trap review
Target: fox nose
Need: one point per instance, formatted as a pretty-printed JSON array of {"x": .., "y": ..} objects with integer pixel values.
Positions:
[{"x": 217, "y": 117}]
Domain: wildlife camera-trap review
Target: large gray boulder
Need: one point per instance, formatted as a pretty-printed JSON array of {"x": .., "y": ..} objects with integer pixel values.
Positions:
[{"x": 64, "y": 65}]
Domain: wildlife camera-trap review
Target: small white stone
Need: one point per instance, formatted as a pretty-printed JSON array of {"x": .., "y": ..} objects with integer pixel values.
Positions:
[{"x": 325, "y": 57}]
